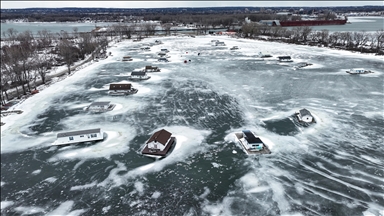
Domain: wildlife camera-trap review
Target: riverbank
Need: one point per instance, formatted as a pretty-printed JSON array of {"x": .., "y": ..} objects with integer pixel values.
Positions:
[{"x": 60, "y": 73}]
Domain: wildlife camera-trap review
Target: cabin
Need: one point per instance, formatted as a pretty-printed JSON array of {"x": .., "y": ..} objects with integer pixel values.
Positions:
[
  {"x": 252, "y": 141},
  {"x": 252, "y": 144},
  {"x": 158, "y": 42},
  {"x": 162, "y": 59},
  {"x": 138, "y": 70},
  {"x": 358, "y": 71},
  {"x": 163, "y": 55},
  {"x": 127, "y": 58},
  {"x": 139, "y": 75},
  {"x": 304, "y": 115},
  {"x": 213, "y": 42},
  {"x": 121, "y": 89},
  {"x": 149, "y": 68},
  {"x": 80, "y": 136},
  {"x": 159, "y": 144},
  {"x": 100, "y": 106},
  {"x": 285, "y": 59},
  {"x": 261, "y": 55},
  {"x": 164, "y": 50},
  {"x": 219, "y": 43},
  {"x": 146, "y": 48},
  {"x": 234, "y": 48},
  {"x": 302, "y": 64}
]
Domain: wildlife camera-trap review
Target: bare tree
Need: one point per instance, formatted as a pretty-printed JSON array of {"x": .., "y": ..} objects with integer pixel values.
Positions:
[
  {"x": 379, "y": 39},
  {"x": 66, "y": 52},
  {"x": 305, "y": 31},
  {"x": 167, "y": 28}
]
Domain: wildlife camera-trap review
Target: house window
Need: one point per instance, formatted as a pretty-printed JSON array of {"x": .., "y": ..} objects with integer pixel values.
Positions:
[
  {"x": 93, "y": 135},
  {"x": 81, "y": 135},
  {"x": 70, "y": 138}
]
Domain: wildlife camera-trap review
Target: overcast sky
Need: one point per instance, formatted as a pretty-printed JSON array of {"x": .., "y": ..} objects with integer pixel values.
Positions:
[{"x": 168, "y": 4}]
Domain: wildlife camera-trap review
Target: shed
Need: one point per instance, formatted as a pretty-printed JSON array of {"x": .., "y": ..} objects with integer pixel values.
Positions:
[
  {"x": 119, "y": 86},
  {"x": 79, "y": 136}
]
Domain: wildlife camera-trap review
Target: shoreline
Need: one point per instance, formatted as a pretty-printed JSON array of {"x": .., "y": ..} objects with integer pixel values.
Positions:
[{"x": 55, "y": 77}]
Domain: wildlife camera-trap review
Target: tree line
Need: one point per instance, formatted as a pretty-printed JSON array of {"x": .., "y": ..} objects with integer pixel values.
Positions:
[
  {"x": 355, "y": 41},
  {"x": 26, "y": 59}
]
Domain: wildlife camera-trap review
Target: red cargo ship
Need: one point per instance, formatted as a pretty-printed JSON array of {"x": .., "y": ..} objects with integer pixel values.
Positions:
[{"x": 312, "y": 22}]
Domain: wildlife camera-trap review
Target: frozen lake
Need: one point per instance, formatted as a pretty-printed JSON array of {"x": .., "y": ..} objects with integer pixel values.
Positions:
[{"x": 333, "y": 167}]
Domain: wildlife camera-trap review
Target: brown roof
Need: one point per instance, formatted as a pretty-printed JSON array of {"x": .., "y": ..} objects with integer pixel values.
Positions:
[
  {"x": 160, "y": 136},
  {"x": 120, "y": 86}
]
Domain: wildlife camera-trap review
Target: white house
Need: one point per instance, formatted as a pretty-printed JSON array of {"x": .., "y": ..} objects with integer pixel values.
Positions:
[
  {"x": 251, "y": 142},
  {"x": 127, "y": 58},
  {"x": 150, "y": 68},
  {"x": 304, "y": 115},
  {"x": 100, "y": 106},
  {"x": 219, "y": 43},
  {"x": 164, "y": 50},
  {"x": 73, "y": 137},
  {"x": 139, "y": 76},
  {"x": 159, "y": 140},
  {"x": 121, "y": 89}
]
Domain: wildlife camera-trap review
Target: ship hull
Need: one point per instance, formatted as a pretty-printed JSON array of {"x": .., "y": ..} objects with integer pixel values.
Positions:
[{"x": 312, "y": 22}]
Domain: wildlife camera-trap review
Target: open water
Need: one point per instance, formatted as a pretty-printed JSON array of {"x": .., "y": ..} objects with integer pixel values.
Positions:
[{"x": 333, "y": 167}]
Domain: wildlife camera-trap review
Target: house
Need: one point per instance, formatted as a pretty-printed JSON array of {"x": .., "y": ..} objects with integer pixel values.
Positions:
[
  {"x": 151, "y": 69},
  {"x": 251, "y": 144},
  {"x": 164, "y": 50},
  {"x": 127, "y": 58},
  {"x": 261, "y": 55},
  {"x": 358, "y": 71},
  {"x": 162, "y": 59},
  {"x": 146, "y": 48},
  {"x": 219, "y": 43},
  {"x": 305, "y": 116},
  {"x": 234, "y": 48},
  {"x": 100, "y": 106},
  {"x": 80, "y": 136},
  {"x": 285, "y": 59},
  {"x": 163, "y": 55},
  {"x": 139, "y": 75},
  {"x": 159, "y": 144},
  {"x": 158, "y": 42},
  {"x": 121, "y": 89}
]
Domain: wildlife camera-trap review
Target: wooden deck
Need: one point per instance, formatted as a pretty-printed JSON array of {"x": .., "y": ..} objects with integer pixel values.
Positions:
[
  {"x": 168, "y": 149},
  {"x": 264, "y": 151}
]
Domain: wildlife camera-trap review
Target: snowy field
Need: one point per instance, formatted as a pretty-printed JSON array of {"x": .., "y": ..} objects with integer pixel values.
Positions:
[{"x": 333, "y": 167}]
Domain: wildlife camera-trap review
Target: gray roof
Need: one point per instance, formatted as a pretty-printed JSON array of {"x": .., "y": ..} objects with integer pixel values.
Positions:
[
  {"x": 134, "y": 73},
  {"x": 80, "y": 132},
  {"x": 100, "y": 103},
  {"x": 304, "y": 112}
]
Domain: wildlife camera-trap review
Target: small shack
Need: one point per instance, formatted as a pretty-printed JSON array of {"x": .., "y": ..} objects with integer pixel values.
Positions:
[
  {"x": 150, "y": 68},
  {"x": 127, "y": 58},
  {"x": 121, "y": 89},
  {"x": 285, "y": 58},
  {"x": 139, "y": 75},
  {"x": 100, "y": 106},
  {"x": 79, "y": 136}
]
